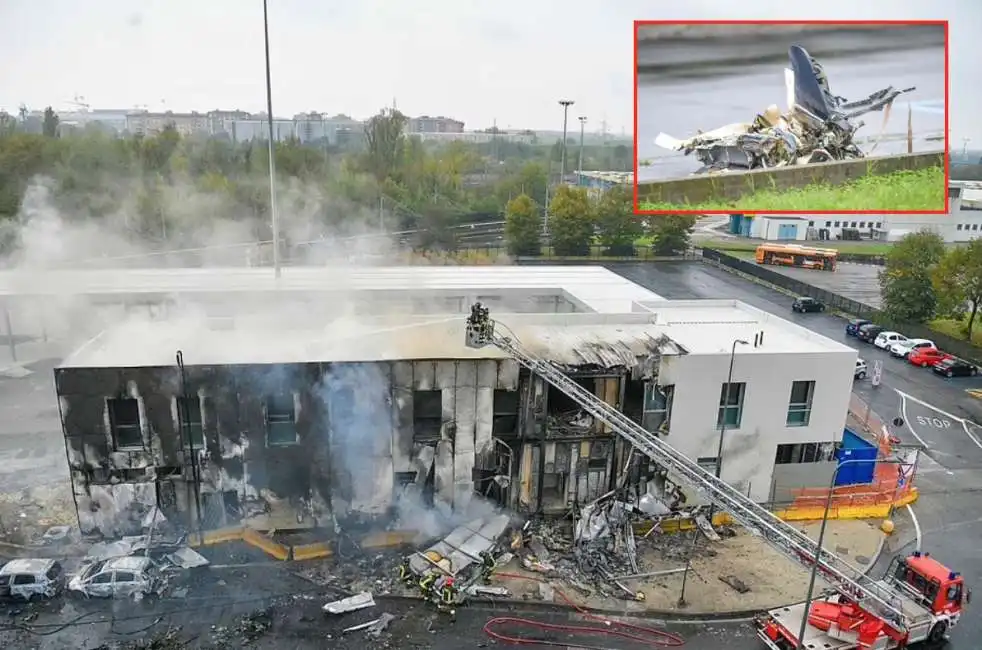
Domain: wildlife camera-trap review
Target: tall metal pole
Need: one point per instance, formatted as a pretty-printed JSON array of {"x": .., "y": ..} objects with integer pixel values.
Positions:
[
  {"x": 722, "y": 427},
  {"x": 579, "y": 166},
  {"x": 800, "y": 644},
  {"x": 272, "y": 157},
  {"x": 565, "y": 103},
  {"x": 186, "y": 428}
]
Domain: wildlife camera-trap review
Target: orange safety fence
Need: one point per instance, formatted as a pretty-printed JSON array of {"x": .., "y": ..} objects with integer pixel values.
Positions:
[{"x": 886, "y": 488}]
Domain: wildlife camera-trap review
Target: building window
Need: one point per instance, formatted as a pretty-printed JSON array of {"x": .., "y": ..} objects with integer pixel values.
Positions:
[
  {"x": 730, "y": 405},
  {"x": 800, "y": 404},
  {"x": 427, "y": 415},
  {"x": 657, "y": 415},
  {"x": 836, "y": 224},
  {"x": 958, "y": 227},
  {"x": 281, "y": 420},
  {"x": 879, "y": 224},
  {"x": 828, "y": 224},
  {"x": 862, "y": 224},
  {"x": 708, "y": 463},
  {"x": 806, "y": 452},
  {"x": 853, "y": 224},
  {"x": 975, "y": 226},
  {"x": 189, "y": 414},
  {"x": 124, "y": 420},
  {"x": 811, "y": 224},
  {"x": 505, "y": 415}
]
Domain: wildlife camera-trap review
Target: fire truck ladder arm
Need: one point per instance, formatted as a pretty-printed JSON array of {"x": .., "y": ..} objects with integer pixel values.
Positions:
[{"x": 868, "y": 593}]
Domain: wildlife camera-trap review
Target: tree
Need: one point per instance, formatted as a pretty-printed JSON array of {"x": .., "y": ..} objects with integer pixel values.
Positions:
[
  {"x": 671, "y": 234},
  {"x": 523, "y": 226},
  {"x": 384, "y": 139},
  {"x": 49, "y": 127},
  {"x": 571, "y": 221},
  {"x": 906, "y": 279},
  {"x": 619, "y": 227},
  {"x": 958, "y": 283}
]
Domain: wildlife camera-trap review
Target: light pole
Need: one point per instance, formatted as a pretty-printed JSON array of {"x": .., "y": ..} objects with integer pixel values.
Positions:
[
  {"x": 565, "y": 103},
  {"x": 821, "y": 538},
  {"x": 272, "y": 157},
  {"x": 579, "y": 166},
  {"x": 722, "y": 425}
]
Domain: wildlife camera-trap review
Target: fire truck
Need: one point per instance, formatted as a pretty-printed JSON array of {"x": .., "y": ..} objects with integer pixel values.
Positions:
[{"x": 919, "y": 599}]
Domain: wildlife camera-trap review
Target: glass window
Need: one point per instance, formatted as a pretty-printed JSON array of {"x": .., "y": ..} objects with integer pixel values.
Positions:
[
  {"x": 427, "y": 415},
  {"x": 800, "y": 404},
  {"x": 125, "y": 576},
  {"x": 189, "y": 412},
  {"x": 505, "y": 415},
  {"x": 657, "y": 416},
  {"x": 730, "y": 405},
  {"x": 124, "y": 420},
  {"x": 281, "y": 420},
  {"x": 102, "y": 579},
  {"x": 24, "y": 579}
]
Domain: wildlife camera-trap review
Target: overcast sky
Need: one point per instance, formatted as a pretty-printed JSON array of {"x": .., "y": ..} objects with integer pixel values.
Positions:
[{"x": 476, "y": 60}]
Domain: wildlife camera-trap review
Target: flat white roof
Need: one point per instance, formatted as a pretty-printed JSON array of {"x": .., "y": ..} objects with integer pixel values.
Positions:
[
  {"x": 607, "y": 339},
  {"x": 594, "y": 287}
]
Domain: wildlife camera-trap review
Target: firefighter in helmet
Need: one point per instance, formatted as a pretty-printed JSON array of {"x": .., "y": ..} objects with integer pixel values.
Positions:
[
  {"x": 426, "y": 584},
  {"x": 487, "y": 565},
  {"x": 447, "y": 595},
  {"x": 406, "y": 575}
]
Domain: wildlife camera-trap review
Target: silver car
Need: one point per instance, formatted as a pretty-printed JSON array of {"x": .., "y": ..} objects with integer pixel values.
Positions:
[
  {"x": 120, "y": 577},
  {"x": 30, "y": 579}
]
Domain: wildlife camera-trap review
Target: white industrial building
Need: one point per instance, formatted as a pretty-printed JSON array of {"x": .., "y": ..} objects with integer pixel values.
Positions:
[{"x": 465, "y": 417}]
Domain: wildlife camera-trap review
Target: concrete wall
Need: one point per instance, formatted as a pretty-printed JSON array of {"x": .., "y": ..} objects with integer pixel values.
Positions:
[
  {"x": 749, "y": 451},
  {"x": 788, "y": 479},
  {"x": 348, "y": 463},
  {"x": 770, "y": 229},
  {"x": 703, "y": 188}
]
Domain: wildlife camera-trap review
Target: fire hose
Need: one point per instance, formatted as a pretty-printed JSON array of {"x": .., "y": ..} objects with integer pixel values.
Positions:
[{"x": 643, "y": 636}]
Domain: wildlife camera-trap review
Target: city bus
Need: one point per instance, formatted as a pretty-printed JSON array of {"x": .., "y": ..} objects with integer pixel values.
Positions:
[{"x": 822, "y": 259}]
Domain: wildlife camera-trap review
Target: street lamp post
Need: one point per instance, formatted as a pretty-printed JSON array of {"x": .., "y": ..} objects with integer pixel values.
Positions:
[
  {"x": 272, "y": 157},
  {"x": 565, "y": 103},
  {"x": 800, "y": 644},
  {"x": 722, "y": 425},
  {"x": 579, "y": 165}
]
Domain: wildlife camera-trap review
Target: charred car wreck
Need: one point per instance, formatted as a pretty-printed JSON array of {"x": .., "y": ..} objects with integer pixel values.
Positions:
[{"x": 818, "y": 126}]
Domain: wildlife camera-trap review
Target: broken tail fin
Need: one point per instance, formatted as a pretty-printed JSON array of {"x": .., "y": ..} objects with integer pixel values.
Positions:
[{"x": 666, "y": 141}]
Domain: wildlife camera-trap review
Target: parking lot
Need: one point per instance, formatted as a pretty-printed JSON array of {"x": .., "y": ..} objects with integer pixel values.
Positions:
[{"x": 859, "y": 282}]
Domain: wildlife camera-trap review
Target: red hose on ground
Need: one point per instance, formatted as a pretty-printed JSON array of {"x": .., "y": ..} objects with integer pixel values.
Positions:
[{"x": 643, "y": 636}]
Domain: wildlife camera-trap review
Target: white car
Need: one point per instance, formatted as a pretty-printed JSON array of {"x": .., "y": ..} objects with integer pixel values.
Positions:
[
  {"x": 117, "y": 577},
  {"x": 885, "y": 339},
  {"x": 860, "y": 369},
  {"x": 903, "y": 349}
]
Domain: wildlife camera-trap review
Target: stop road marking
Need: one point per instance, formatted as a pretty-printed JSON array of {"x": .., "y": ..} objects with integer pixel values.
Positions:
[{"x": 937, "y": 423}]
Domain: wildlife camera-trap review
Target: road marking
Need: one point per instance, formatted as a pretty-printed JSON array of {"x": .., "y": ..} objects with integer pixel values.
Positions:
[
  {"x": 903, "y": 412},
  {"x": 917, "y": 527},
  {"x": 903, "y": 400},
  {"x": 974, "y": 392}
]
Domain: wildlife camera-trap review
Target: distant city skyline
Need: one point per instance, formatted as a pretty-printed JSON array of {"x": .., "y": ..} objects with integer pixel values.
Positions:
[{"x": 508, "y": 62}]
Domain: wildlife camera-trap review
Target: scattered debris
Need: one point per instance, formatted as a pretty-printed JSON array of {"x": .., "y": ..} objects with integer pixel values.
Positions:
[
  {"x": 485, "y": 590},
  {"x": 187, "y": 558},
  {"x": 351, "y": 603},
  {"x": 372, "y": 628},
  {"x": 736, "y": 583},
  {"x": 706, "y": 528}
]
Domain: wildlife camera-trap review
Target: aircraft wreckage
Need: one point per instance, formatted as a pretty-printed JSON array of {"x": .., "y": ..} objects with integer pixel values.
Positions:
[{"x": 817, "y": 127}]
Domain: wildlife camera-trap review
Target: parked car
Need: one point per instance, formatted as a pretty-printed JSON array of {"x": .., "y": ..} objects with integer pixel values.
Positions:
[
  {"x": 903, "y": 348},
  {"x": 116, "y": 577},
  {"x": 955, "y": 368},
  {"x": 804, "y": 304},
  {"x": 860, "y": 369},
  {"x": 30, "y": 579},
  {"x": 884, "y": 340},
  {"x": 869, "y": 332},
  {"x": 852, "y": 327},
  {"x": 925, "y": 357}
]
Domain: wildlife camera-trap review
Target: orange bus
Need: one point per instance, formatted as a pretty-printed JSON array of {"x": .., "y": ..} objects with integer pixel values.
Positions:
[{"x": 822, "y": 259}]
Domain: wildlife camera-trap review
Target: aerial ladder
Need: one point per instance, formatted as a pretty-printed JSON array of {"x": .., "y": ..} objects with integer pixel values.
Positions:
[{"x": 876, "y": 597}]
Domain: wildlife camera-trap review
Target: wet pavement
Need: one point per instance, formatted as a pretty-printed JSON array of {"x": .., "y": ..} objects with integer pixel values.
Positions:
[{"x": 681, "y": 107}]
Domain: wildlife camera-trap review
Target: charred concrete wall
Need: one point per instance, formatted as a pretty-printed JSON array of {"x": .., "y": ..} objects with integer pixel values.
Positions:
[{"x": 343, "y": 435}]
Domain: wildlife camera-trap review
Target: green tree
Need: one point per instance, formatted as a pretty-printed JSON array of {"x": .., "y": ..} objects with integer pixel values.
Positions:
[
  {"x": 906, "y": 279},
  {"x": 523, "y": 226},
  {"x": 618, "y": 226},
  {"x": 671, "y": 234},
  {"x": 384, "y": 138},
  {"x": 49, "y": 126},
  {"x": 958, "y": 283},
  {"x": 571, "y": 221}
]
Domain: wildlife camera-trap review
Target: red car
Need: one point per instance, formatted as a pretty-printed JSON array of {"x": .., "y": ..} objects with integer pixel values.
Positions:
[{"x": 927, "y": 357}]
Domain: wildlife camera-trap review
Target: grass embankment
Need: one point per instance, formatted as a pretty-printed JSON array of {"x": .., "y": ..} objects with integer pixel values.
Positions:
[
  {"x": 956, "y": 329},
  {"x": 923, "y": 189}
]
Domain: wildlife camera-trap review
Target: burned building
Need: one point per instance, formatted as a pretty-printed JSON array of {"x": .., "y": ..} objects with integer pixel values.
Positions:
[{"x": 279, "y": 425}]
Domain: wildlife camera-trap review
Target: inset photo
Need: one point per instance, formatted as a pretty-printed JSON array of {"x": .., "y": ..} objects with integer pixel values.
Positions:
[{"x": 791, "y": 117}]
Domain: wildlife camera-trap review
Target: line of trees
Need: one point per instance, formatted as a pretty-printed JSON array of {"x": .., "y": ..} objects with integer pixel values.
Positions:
[
  {"x": 923, "y": 280},
  {"x": 578, "y": 222}
]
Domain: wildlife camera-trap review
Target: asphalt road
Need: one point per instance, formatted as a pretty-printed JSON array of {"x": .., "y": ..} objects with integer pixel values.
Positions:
[
  {"x": 682, "y": 107},
  {"x": 859, "y": 282},
  {"x": 937, "y": 412}
]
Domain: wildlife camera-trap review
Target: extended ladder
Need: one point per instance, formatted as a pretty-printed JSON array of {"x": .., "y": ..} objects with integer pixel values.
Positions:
[{"x": 872, "y": 595}]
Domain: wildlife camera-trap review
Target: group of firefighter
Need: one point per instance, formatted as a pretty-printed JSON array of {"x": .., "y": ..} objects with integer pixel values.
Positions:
[{"x": 440, "y": 588}]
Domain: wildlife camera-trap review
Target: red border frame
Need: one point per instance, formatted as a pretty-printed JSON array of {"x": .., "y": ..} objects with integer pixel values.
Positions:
[{"x": 947, "y": 133}]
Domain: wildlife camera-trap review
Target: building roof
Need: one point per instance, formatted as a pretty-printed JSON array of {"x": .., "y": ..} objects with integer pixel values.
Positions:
[
  {"x": 594, "y": 288},
  {"x": 581, "y": 339}
]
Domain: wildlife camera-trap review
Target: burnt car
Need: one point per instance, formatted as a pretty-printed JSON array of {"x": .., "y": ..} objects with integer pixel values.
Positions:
[
  {"x": 955, "y": 368},
  {"x": 817, "y": 126},
  {"x": 31, "y": 579}
]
